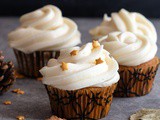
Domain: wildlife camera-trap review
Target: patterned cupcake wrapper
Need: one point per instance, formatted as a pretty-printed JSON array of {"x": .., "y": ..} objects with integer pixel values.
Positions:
[
  {"x": 30, "y": 64},
  {"x": 89, "y": 103},
  {"x": 138, "y": 80}
]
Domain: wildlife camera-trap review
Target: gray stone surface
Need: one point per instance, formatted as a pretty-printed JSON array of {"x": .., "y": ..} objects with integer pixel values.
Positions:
[{"x": 34, "y": 104}]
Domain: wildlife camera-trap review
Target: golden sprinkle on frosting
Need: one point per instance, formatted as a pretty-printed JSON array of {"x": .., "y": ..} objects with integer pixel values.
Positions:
[
  {"x": 64, "y": 66},
  {"x": 74, "y": 52},
  {"x": 98, "y": 61},
  {"x": 95, "y": 44}
]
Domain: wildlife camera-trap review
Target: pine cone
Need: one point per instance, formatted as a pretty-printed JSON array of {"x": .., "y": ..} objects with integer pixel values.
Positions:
[{"x": 7, "y": 74}]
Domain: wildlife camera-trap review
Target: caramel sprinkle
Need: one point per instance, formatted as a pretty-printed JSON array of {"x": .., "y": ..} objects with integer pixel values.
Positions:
[
  {"x": 18, "y": 91},
  {"x": 15, "y": 90},
  {"x": 18, "y": 75},
  {"x": 74, "y": 52},
  {"x": 64, "y": 66},
  {"x": 95, "y": 44},
  {"x": 39, "y": 78},
  {"x": 55, "y": 118},
  {"x": 20, "y": 117},
  {"x": 98, "y": 61},
  {"x": 7, "y": 102}
]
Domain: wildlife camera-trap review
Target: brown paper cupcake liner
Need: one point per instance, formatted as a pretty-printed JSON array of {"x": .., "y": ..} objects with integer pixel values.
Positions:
[
  {"x": 137, "y": 80},
  {"x": 30, "y": 64},
  {"x": 89, "y": 103}
]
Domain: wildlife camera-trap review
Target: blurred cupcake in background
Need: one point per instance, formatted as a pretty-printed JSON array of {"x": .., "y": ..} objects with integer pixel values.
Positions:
[
  {"x": 80, "y": 83},
  {"x": 40, "y": 36},
  {"x": 135, "y": 54},
  {"x": 125, "y": 21}
]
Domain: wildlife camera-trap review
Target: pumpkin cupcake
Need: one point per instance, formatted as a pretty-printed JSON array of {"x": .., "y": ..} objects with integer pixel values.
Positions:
[
  {"x": 80, "y": 83},
  {"x": 125, "y": 21},
  {"x": 135, "y": 54},
  {"x": 40, "y": 36}
]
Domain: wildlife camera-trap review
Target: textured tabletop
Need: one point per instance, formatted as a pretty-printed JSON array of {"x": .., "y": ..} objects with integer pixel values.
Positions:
[{"x": 34, "y": 104}]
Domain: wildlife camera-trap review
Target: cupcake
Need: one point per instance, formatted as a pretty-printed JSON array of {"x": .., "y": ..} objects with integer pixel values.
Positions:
[
  {"x": 80, "y": 83},
  {"x": 125, "y": 21},
  {"x": 7, "y": 74},
  {"x": 135, "y": 54},
  {"x": 40, "y": 36}
]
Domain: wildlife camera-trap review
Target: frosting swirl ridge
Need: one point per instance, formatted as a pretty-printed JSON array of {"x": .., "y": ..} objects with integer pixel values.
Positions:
[
  {"x": 46, "y": 29},
  {"x": 129, "y": 49},
  {"x": 85, "y": 68},
  {"x": 125, "y": 21}
]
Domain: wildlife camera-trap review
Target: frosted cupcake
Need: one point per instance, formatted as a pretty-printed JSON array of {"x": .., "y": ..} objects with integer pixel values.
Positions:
[
  {"x": 125, "y": 21},
  {"x": 135, "y": 54},
  {"x": 40, "y": 36},
  {"x": 80, "y": 83}
]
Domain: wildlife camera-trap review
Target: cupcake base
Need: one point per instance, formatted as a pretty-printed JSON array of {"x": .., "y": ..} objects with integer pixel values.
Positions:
[
  {"x": 136, "y": 80},
  {"x": 30, "y": 64},
  {"x": 89, "y": 103}
]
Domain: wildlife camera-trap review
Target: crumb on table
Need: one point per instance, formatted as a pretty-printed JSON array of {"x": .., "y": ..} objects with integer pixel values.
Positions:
[
  {"x": 20, "y": 117},
  {"x": 7, "y": 102},
  {"x": 18, "y": 91},
  {"x": 39, "y": 78},
  {"x": 18, "y": 75},
  {"x": 55, "y": 118}
]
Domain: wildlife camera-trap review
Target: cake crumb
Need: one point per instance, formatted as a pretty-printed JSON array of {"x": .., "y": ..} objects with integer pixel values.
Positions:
[
  {"x": 7, "y": 102},
  {"x": 20, "y": 117},
  {"x": 18, "y": 91},
  {"x": 55, "y": 118},
  {"x": 95, "y": 44},
  {"x": 18, "y": 75},
  {"x": 64, "y": 66},
  {"x": 98, "y": 61},
  {"x": 15, "y": 90},
  {"x": 21, "y": 92},
  {"x": 39, "y": 78},
  {"x": 74, "y": 52}
]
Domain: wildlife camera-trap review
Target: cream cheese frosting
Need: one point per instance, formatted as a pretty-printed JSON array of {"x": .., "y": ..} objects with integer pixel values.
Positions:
[
  {"x": 87, "y": 67},
  {"x": 129, "y": 49},
  {"x": 44, "y": 29},
  {"x": 125, "y": 21}
]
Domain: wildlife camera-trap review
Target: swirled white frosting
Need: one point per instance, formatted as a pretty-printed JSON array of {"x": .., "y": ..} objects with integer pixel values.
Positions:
[
  {"x": 82, "y": 71},
  {"x": 44, "y": 29},
  {"x": 125, "y": 21},
  {"x": 129, "y": 49}
]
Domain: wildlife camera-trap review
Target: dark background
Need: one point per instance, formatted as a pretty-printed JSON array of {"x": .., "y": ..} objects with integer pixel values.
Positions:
[{"x": 82, "y": 8}]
